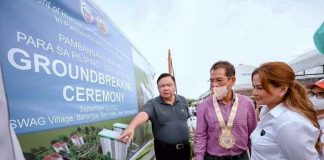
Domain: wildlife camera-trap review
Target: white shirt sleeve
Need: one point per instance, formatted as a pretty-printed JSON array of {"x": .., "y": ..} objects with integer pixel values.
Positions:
[
  {"x": 296, "y": 140},
  {"x": 16, "y": 146}
]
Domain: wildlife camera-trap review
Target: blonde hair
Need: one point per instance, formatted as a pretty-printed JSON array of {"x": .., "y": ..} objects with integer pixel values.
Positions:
[{"x": 281, "y": 74}]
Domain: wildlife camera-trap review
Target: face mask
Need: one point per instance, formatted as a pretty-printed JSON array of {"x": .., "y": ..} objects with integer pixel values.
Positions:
[
  {"x": 318, "y": 103},
  {"x": 220, "y": 92}
]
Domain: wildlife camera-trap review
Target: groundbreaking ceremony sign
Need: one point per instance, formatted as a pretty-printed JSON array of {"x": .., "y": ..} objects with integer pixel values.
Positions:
[{"x": 66, "y": 66}]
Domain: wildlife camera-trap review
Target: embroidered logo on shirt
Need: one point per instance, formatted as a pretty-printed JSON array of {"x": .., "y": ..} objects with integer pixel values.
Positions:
[{"x": 262, "y": 132}]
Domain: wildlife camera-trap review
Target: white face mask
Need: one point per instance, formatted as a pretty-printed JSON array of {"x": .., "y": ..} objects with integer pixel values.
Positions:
[
  {"x": 220, "y": 92},
  {"x": 318, "y": 103}
]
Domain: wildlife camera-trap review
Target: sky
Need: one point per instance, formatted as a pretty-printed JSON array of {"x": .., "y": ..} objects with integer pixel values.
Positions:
[{"x": 200, "y": 33}]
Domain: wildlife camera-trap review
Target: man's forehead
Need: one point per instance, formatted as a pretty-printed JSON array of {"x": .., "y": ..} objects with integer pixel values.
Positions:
[
  {"x": 218, "y": 73},
  {"x": 165, "y": 80},
  {"x": 219, "y": 70}
]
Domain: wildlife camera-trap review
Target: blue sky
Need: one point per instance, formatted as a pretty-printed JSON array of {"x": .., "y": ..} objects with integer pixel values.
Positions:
[{"x": 202, "y": 32}]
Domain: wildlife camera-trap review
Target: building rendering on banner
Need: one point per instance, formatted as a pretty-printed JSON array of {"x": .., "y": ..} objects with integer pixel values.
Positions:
[
  {"x": 119, "y": 127},
  {"x": 61, "y": 146},
  {"x": 77, "y": 140},
  {"x": 53, "y": 156},
  {"x": 110, "y": 144}
]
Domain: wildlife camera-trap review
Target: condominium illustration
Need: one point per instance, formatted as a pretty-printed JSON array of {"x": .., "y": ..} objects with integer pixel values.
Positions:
[
  {"x": 61, "y": 146},
  {"x": 119, "y": 127},
  {"x": 53, "y": 156},
  {"x": 77, "y": 140},
  {"x": 110, "y": 143}
]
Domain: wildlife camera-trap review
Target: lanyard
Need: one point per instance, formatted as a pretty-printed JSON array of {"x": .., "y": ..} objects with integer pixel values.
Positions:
[{"x": 224, "y": 127}]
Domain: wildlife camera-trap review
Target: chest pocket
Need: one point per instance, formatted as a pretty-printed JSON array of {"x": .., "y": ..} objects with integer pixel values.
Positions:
[
  {"x": 264, "y": 139},
  {"x": 167, "y": 114},
  {"x": 180, "y": 112},
  {"x": 163, "y": 114},
  {"x": 212, "y": 119}
]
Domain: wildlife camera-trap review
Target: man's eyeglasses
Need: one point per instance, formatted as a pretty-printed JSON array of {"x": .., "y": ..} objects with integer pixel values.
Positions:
[
  {"x": 218, "y": 80},
  {"x": 319, "y": 95}
]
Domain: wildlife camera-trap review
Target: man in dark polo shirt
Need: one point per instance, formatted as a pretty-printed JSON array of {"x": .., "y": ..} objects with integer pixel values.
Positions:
[{"x": 168, "y": 113}]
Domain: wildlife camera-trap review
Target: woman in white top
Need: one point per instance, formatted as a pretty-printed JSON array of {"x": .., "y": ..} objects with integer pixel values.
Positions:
[{"x": 288, "y": 128}]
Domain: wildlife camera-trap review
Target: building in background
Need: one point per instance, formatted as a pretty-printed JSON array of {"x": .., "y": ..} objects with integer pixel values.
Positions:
[
  {"x": 111, "y": 145},
  {"x": 309, "y": 67}
]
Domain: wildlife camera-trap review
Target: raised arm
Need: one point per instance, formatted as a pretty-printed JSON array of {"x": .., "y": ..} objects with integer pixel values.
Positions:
[{"x": 128, "y": 134}]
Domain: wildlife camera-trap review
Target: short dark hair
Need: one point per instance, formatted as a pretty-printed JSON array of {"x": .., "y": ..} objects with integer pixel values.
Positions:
[
  {"x": 165, "y": 75},
  {"x": 229, "y": 68}
]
